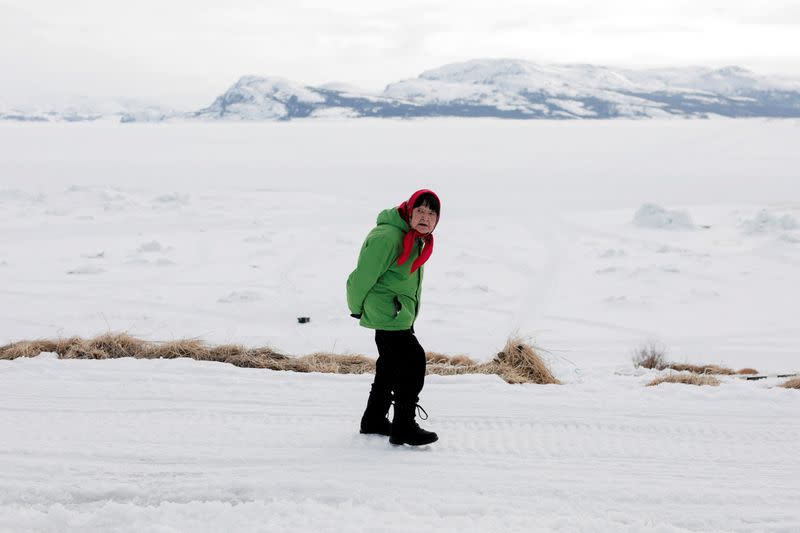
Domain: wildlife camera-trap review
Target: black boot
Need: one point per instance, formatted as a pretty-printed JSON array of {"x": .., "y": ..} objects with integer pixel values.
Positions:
[
  {"x": 405, "y": 430},
  {"x": 375, "y": 421}
]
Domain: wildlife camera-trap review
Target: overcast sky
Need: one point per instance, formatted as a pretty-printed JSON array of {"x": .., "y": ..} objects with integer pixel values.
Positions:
[{"x": 184, "y": 53}]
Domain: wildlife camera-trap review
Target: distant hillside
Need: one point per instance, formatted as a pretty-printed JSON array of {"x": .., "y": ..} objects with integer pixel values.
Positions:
[
  {"x": 521, "y": 90},
  {"x": 502, "y": 88}
]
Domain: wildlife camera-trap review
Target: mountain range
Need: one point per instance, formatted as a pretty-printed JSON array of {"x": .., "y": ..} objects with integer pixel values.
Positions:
[{"x": 505, "y": 88}]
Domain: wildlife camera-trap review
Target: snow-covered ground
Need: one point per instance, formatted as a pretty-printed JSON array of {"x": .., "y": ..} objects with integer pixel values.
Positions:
[
  {"x": 180, "y": 445},
  {"x": 591, "y": 237}
]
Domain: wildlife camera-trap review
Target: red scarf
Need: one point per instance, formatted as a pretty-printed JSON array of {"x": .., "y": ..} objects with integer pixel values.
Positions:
[{"x": 412, "y": 235}]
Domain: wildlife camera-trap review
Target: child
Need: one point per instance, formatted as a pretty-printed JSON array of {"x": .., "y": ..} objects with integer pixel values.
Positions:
[{"x": 384, "y": 293}]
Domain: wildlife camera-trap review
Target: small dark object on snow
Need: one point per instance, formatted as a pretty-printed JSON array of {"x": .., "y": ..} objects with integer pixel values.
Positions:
[{"x": 304, "y": 319}]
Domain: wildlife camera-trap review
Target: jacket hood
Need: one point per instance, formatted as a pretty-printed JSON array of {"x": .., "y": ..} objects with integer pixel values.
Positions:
[{"x": 392, "y": 217}]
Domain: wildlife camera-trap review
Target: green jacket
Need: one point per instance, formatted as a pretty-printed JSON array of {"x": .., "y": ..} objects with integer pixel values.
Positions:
[{"x": 386, "y": 295}]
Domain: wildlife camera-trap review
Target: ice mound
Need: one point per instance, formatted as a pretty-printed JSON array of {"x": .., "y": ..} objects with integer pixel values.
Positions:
[
  {"x": 656, "y": 217},
  {"x": 766, "y": 222},
  {"x": 152, "y": 246},
  {"x": 173, "y": 198}
]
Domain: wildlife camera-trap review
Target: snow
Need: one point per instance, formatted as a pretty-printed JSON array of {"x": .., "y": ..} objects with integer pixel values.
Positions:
[
  {"x": 515, "y": 73},
  {"x": 229, "y": 232},
  {"x": 181, "y": 445},
  {"x": 573, "y": 106},
  {"x": 507, "y": 88},
  {"x": 260, "y": 98}
]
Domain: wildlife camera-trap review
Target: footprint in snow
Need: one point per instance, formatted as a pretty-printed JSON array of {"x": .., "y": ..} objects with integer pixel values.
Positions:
[
  {"x": 173, "y": 198},
  {"x": 611, "y": 252},
  {"x": 85, "y": 270},
  {"x": 264, "y": 237},
  {"x": 666, "y": 249},
  {"x": 151, "y": 247},
  {"x": 240, "y": 297},
  {"x": 137, "y": 261},
  {"x": 607, "y": 270}
]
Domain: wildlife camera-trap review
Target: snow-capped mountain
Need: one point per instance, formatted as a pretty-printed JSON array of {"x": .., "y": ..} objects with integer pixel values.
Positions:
[
  {"x": 503, "y": 88},
  {"x": 521, "y": 89},
  {"x": 82, "y": 109}
]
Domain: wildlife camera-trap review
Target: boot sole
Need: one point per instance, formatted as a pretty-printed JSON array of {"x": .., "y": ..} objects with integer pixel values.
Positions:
[
  {"x": 374, "y": 433},
  {"x": 400, "y": 442}
]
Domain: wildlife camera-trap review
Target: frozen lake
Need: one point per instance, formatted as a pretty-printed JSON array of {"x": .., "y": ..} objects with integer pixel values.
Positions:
[
  {"x": 228, "y": 232},
  {"x": 589, "y": 237}
]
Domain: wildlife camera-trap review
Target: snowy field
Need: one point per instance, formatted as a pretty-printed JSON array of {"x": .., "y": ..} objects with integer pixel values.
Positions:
[{"x": 590, "y": 237}]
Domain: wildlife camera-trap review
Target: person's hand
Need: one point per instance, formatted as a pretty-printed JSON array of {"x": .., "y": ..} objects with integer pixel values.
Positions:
[{"x": 356, "y": 315}]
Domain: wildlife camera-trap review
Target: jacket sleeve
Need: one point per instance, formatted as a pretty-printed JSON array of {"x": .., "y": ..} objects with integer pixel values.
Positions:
[{"x": 377, "y": 254}]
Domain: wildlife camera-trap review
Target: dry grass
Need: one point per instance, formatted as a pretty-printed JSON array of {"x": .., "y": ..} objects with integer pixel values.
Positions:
[
  {"x": 701, "y": 369},
  {"x": 518, "y": 362},
  {"x": 793, "y": 383},
  {"x": 654, "y": 357},
  {"x": 333, "y": 364},
  {"x": 434, "y": 358},
  {"x": 444, "y": 365},
  {"x": 687, "y": 379},
  {"x": 181, "y": 348},
  {"x": 26, "y": 348},
  {"x": 650, "y": 356}
]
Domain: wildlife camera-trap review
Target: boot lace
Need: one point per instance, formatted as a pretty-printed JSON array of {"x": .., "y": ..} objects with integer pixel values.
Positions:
[{"x": 420, "y": 411}]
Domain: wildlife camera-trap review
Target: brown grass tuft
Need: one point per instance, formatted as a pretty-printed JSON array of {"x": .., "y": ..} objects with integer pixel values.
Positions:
[
  {"x": 793, "y": 383},
  {"x": 224, "y": 352},
  {"x": 687, "y": 379},
  {"x": 747, "y": 372},
  {"x": 462, "y": 360},
  {"x": 701, "y": 369},
  {"x": 650, "y": 356},
  {"x": 181, "y": 348},
  {"x": 26, "y": 349},
  {"x": 434, "y": 358},
  {"x": 519, "y": 363},
  {"x": 332, "y": 364},
  {"x": 247, "y": 358},
  {"x": 82, "y": 350},
  {"x": 116, "y": 345},
  {"x": 654, "y": 357}
]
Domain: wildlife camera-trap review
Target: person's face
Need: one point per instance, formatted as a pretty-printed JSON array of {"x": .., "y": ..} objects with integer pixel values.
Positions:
[{"x": 423, "y": 219}]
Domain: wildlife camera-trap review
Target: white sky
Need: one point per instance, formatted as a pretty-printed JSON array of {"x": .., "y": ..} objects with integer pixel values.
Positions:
[{"x": 185, "y": 53}]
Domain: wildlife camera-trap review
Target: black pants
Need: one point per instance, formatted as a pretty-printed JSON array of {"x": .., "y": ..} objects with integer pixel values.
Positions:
[{"x": 400, "y": 367}]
